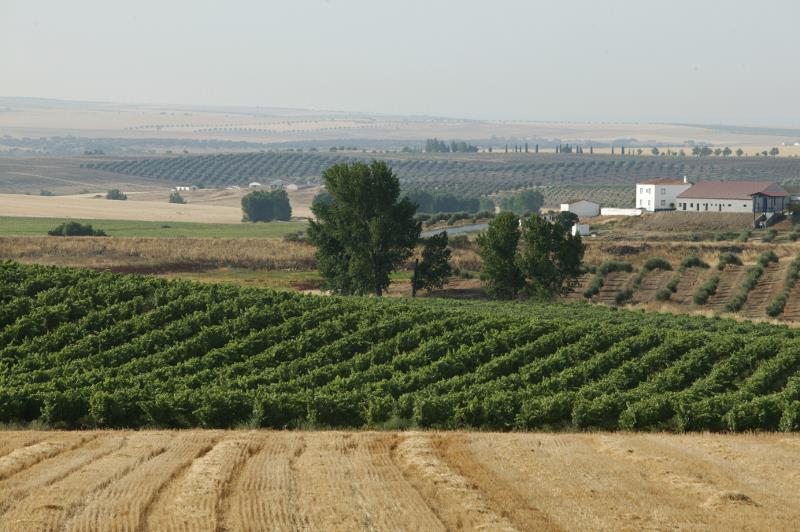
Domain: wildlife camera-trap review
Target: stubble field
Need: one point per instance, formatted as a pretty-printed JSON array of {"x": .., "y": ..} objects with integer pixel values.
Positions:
[{"x": 265, "y": 480}]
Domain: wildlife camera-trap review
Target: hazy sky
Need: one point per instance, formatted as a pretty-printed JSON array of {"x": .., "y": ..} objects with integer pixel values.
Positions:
[{"x": 735, "y": 61}]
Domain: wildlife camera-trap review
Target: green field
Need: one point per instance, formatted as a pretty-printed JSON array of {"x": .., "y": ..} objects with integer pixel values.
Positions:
[
  {"x": 80, "y": 348},
  {"x": 24, "y": 226}
]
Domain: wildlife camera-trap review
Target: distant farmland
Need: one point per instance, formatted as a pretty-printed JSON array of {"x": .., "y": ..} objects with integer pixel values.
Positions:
[{"x": 475, "y": 174}]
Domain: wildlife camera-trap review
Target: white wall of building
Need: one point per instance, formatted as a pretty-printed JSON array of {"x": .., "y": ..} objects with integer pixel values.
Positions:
[
  {"x": 583, "y": 208},
  {"x": 612, "y": 211},
  {"x": 715, "y": 205},
  {"x": 652, "y": 197},
  {"x": 581, "y": 229}
]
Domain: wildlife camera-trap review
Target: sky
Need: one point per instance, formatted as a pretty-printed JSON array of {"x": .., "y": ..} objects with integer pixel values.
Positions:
[{"x": 701, "y": 61}]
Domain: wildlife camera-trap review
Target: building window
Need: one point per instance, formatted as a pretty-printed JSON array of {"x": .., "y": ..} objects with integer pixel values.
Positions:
[
  {"x": 648, "y": 203},
  {"x": 663, "y": 203},
  {"x": 641, "y": 190},
  {"x": 663, "y": 191},
  {"x": 691, "y": 205}
]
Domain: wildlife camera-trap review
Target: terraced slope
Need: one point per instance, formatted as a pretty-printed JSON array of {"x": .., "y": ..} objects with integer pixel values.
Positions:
[
  {"x": 730, "y": 279},
  {"x": 769, "y": 285},
  {"x": 83, "y": 349},
  {"x": 265, "y": 480}
]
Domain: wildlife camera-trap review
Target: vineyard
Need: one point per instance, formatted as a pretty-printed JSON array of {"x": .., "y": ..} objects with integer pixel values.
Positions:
[
  {"x": 474, "y": 175},
  {"x": 90, "y": 349}
]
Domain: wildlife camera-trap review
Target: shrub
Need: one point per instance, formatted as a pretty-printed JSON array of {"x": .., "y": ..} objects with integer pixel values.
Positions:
[
  {"x": 116, "y": 194},
  {"x": 266, "y": 205},
  {"x": 693, "y": 262},
  {"x": 766, "y": 257},
  {"x": 433, "y": 411},
  {"x": 336, "y": 410},
  {"x": 68, "y": 409},
  {"x": 790, "y": 420},
  {"x": 278, "y": 411},
  {"x": 744, "y": 235},
  {"x": 603, "y": 270},
  {"x": 728, "y": 258},
  {"x": 657, "y": 263},
  {"x": 706, "y": 290},
  {"x": 770, "y": 235},
  {"x": 175, "y": 197},
  {"x": 115, "y": 410},
  {"x": 751, "y": 278},
  {"x": 75, "y": 229}
]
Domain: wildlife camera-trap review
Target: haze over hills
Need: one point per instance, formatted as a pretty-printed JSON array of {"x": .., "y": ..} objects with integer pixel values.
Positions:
[{"x": 49, "y": 126}]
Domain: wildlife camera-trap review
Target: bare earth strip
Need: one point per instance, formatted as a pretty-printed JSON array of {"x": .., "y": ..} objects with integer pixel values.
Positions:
[{"x": 277, "y": 480}]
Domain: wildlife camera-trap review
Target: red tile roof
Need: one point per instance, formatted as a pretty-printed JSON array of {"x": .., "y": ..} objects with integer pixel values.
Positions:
[
  {"x": 663, "y": 181},
  {"x": 732, "y": 190}
]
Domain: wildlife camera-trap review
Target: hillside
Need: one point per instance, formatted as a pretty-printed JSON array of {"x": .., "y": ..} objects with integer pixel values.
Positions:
[
  {"x": 431, "y": 481},
  {"x": 474, "y": 174},
  {"x": 83, "y": 348}
]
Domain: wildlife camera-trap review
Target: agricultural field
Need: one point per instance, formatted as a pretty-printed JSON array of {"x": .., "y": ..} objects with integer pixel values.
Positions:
[
  {"x": 89, "y": 349},
  {"x": 304, "y": 480},
  {"x": 473, "y": 174},
  {"x": 33, "y": 227}
]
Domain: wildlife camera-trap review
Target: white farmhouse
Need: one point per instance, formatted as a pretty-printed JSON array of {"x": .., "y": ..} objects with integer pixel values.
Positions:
[
  {"x": 583, "y": 208},
  {"x": 734, "y": 196},
  {"x": 659, "y": 194}
]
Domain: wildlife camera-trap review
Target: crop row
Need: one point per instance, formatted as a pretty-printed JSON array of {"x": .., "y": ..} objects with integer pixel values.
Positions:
[
  {"x": 471, "y": 175},
  {"x": 82, "y": 348}
]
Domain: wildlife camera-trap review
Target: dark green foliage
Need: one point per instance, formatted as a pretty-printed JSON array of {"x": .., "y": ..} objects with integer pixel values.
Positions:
[
  {"x": 434, "y": 270},
  {"x": 752, "y": 276},
  {"x": 365, "y": 231},
  {"x": 566, "y": 219},
  {"x": 706, "y": 290},
  {"x": 94, "y": 349},
  {"x": 116, "y": 194},
  {"x": 776, "y": 306},
  {"x": 770, "y": 235},
  {"x": 657, "y": 263},
  {"x": 524, "y": 202},
  {"x": 75, "y": 229},
  {"x": 266, "y": 206},
  {"x": 443, "y": 202},
  {"x": 439, "y": 146},
  {"x": 728, "y": 258},
  {"x": 551, "y": 257},
  {"x": 497, "y": 247},
  {"x": 693, "y": 262},
  {"x": 175, "y": 197}
]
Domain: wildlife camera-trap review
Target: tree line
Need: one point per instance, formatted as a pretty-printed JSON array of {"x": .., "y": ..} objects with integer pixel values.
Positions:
[{"x": 364, "y": 230}]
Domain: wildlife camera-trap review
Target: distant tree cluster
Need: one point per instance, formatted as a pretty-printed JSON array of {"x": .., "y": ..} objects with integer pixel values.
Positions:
[
  {"x": 116, "y": 194},
  {"x": 524, "y": 202},
  {"x": 266, "y": 206},
  {"x": 435, "y": 145},
  {"x": 75, "y": 229},
  {"x": 443, "y": 202}
]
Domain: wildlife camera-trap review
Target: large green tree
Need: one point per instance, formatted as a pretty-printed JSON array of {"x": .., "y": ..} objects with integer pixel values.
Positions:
[
  {"x": 362, "y": 230},
  {"x": 497, "y": 247},
  {"x": 434, "y": 269},
  {"x": 551, "y": 257}
]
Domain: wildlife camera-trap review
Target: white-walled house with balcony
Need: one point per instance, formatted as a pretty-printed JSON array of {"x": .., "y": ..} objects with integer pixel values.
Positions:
[{"x": 660, "y": 194}]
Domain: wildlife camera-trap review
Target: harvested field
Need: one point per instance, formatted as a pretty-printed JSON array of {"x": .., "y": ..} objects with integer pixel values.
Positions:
[{"x": 265, "y": 480}]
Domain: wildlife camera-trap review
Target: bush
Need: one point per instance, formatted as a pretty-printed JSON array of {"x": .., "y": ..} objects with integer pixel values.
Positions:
[
  {"x": 751, "y": 278},
  {"x": 693, "y": 262},
  {"x": 116, "y": 194},
  {"x": 75, "y": 229},
  {"x": 728, "y": 258},
  {"x": 706, "y": 290},
  {"x": 432, "y": 411},
  {"x": 790, "y": 420},
  {"x": 336, "y": 410},
  {"x": 766, "y": 257},
  {"x": 770, "y": 235},
  {"x": 115, "y": 410},
  {"x": 175, "y": 197},
  {"x": 657, "y": 263},
  {"x": 68, "y": 409}
]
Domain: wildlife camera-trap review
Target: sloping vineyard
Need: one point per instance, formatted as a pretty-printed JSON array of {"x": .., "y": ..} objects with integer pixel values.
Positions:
[
  {"x": 474, "y": 175},
  {"x": 82, "y": 348}
]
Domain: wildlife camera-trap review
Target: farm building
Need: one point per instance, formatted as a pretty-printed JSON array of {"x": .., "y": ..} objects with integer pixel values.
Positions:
[
  {"x": 660, "y": 194},
  {"x": 583, "y": 208},
  {"x": 255, "y": 184},
  {"x": 734, "y": 196}
]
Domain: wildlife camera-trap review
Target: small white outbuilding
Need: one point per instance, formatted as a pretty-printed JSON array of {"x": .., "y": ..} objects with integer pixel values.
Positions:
[
  {"x": 580, "y": 229},
  {"x": 583, "y": 208}
]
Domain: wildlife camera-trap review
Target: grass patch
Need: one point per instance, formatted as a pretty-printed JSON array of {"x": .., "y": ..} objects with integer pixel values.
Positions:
[{"x": 28, "y": 226}]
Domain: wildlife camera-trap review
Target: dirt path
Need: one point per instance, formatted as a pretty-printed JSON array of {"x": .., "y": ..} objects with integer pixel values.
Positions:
[{"x": 275, "y": 480}]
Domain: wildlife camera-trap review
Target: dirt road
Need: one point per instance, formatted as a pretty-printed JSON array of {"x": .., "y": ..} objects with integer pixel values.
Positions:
[{"x": 262, "y": 480}]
